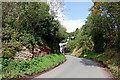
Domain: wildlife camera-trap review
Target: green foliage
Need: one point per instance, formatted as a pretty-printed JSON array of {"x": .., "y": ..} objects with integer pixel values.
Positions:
[
  {"x": 11, "y": 37},
  {"x": 13, "y": 69},
  {"x": 61, "y": 34},
  {"x": 117, "y": 42},
  {"x": 27, "y": 24},
  {"x": 103, "y": 27},
  {"x": 89, "y": 54},
  {"x": 101, "y": 33},
  {"x": 109, "y": 57},
  {"x": 98, "y": 40},
  {"x": 70, "y": 46},
  {"x": 84, "y": 49},
  {"x": 39, "y": 41},
  {"x": 63, "y": 41},
  {"x": 8, "y": 53},
  {"x": 75, "y": 33},
  {"x": 13, "y": 40},
  {"x": 27, "y": 40},
  {"x": 80, "y": 41}
]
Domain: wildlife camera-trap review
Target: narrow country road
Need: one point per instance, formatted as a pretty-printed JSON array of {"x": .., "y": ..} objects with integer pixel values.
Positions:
[{"x": 76, "y": 68}]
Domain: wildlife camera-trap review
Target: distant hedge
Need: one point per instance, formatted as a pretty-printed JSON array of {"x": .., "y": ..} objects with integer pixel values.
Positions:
[{"x": 13, "y": 69}]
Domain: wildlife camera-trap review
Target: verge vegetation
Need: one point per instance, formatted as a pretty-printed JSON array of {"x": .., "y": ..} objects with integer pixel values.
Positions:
[
  {"x": 29, "y": 28},
  {"x": 14, "y": 69},
  {"x": 99, "y": 38}
]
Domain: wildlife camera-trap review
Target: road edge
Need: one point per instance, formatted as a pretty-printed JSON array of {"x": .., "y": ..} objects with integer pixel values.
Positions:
[
  {"x": 106, "y": 68},
  {"x": 29, "y": 77}
]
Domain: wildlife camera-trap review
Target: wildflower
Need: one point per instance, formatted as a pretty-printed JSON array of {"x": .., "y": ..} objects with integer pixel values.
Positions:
[{"x": 85, "y": 55}]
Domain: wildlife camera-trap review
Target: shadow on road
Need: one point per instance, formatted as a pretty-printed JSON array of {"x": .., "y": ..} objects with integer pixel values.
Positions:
[{"x": 88, "y": 62}]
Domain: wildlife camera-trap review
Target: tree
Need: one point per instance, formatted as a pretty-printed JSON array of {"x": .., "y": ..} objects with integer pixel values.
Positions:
[{"x": 33, "y": 21}]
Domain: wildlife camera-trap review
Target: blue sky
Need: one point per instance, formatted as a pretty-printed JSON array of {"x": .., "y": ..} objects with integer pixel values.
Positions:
[
  {"x": 75, "y": 14},
  {"x": 77, "y": 10}
]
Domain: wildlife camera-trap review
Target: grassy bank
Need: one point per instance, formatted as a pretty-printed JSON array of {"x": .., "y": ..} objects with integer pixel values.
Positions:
[
  {"x": 109, "y": 58},
  {"x": 13, "y": 69}
]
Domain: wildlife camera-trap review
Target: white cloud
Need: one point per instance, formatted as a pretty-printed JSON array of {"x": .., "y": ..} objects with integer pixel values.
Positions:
[{"x": 71, "y": 25}]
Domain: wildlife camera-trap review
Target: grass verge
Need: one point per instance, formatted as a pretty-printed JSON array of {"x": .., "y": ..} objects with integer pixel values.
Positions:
[
  {"x": 109, "y": 58},
  {"x": 12, "y": 69}
]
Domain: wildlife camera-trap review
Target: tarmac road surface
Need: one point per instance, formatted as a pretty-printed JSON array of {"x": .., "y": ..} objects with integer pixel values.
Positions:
[{"x": 77, "y": 68}]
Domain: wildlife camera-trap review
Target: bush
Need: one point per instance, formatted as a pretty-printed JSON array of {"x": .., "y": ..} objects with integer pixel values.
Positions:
[
  {"x": 89, "y": 54},
  {"x": 14, "y": 40},
  {"x": 109, "y": 57},
  {"x": 84, "y": 49},
  {"x": 11, "y": 42},
  {"x": 13, "y": 69},
  {"x": 97, "y": 36},
  {"x": 70, "y": 46},
  {"x": 117, "y": 42},
  {"x": 27, "y": 40}
]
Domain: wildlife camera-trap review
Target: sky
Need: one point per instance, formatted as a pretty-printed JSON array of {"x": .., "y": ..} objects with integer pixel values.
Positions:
[{"x": 75, "y": 14}]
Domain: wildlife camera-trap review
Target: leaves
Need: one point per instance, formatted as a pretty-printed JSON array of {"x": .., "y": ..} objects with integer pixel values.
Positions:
[
  {"x": 29, "y": 24},
  {"x": 13, "y": 69}
]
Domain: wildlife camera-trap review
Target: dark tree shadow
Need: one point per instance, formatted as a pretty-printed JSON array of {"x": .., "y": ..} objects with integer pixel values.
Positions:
[{"x": 88, "y": 62}]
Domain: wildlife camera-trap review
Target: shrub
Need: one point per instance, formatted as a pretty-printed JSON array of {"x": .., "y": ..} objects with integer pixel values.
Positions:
[
  {"x": 70, "y": 46},
  {"x": 89, "y": 54},
  {"x": 27, "y": 40},
  {"x": 97, "y": 37},
  {"x": 84, "y": 49},
  {"x": 117, "y": 42},
  {"x": 13, "y": 40},
  {"x": 13, "y": 69}
]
